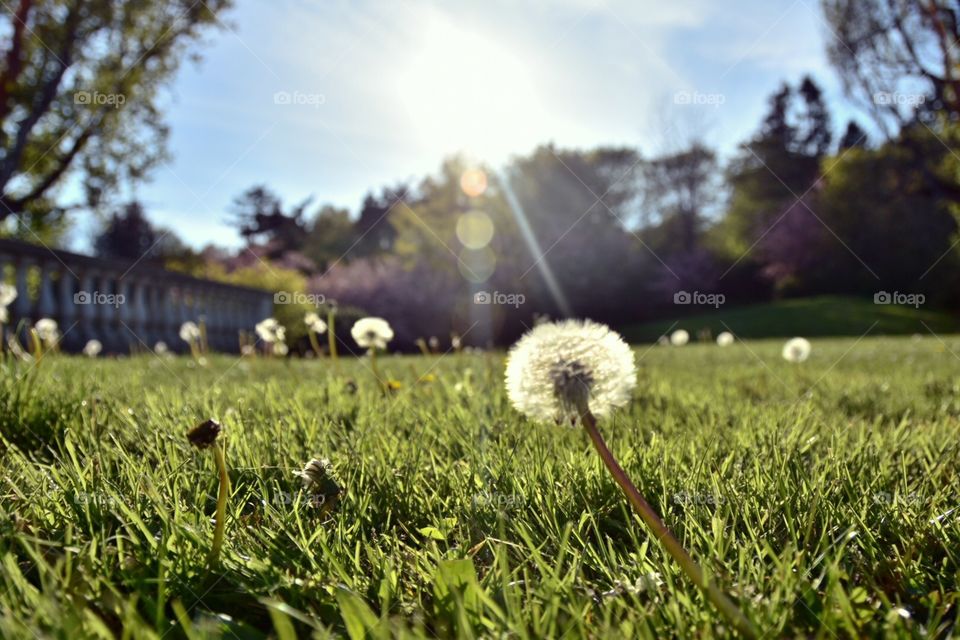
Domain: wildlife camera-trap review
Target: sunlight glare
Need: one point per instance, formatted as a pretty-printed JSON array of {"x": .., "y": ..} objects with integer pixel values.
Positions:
[{"x": 467, "y": 91}]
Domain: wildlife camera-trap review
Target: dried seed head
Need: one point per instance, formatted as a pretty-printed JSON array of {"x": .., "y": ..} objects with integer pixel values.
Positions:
[
  {"x": 204, "y": 434},
  {"x": 317, "y": 479}
]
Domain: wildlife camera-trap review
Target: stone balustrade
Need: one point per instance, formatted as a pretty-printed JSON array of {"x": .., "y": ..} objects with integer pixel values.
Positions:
[{"x": 125, "y": 306}]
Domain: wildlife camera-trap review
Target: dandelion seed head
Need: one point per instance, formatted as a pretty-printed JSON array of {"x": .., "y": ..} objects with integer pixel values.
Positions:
[
  {"x": 270, "y": 330},
  {"x": 47, "y": 329},
  {"x": 315, "y": 323},
  {"x": 161, "y": 348},
  {"x": 189, "y": 332},
  {"x": 725, "y": 339},
  {"x": 372, "y": 333},
  {"x": 557, "y": 367},
  {"x": 679, "y": 337},
  {"x": 8, "y": 293},
  {"x": 93, "y": 348},
  {"x": 796, "y": 350}
]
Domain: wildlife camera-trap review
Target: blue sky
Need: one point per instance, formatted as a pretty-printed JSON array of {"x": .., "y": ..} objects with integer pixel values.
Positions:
[{"x": 328, "y": 99}]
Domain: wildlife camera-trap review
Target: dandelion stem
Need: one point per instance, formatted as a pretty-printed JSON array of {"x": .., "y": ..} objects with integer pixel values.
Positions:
[
  {"x": 332, "y": 335},
  {"x": 314, "y": 344},
  {"x": 664, "y": 535},
  {"x": 220, "y": 522}
]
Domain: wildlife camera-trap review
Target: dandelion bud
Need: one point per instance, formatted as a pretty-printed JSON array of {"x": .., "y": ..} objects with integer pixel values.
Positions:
[{"x": 204, "y": 434}]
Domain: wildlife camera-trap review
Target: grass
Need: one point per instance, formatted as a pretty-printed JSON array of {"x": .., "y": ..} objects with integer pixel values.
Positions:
[
  {"x": 822, "y": 497},
  {"x": 819, "y": 316}
]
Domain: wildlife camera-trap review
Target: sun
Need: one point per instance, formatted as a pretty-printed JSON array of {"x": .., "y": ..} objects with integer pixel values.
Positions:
[{"x": 466, "y": 91}]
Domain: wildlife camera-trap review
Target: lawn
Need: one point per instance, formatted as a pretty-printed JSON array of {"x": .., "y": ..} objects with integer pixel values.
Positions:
[
  {"x": 822, "y": 496},
  {"x": 816, "y": 316}
]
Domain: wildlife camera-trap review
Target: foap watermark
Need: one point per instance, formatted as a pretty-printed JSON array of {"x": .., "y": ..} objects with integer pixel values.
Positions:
[
  {"x": 97, "y": 99},
  {"x": 907, "y": 299},
  {"x": 498, "y": 501},
  {"x": 699, "y": 99},
  {"x": 286, "y": 499},
  {"x": 299, "y": 298},
  {"x": 99, "y": 298},
  {"x": 299, "y": 99},
  {"x": 885, "y": 497},
  {"x": 705, "y": 299},
  {"x": 687, "y": 498},
  {"x": 511, "y": 299},
  {"x": 899, "y": 99},
  {"x": 95, "y": 498}
]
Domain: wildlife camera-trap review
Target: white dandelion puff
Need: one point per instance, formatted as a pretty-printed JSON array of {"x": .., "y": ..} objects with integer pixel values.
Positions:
[
  {"x": 796, "y": 350},
  {"x": 161, "y": 348},
  {"x": 557, "y": 368},
  {"x": 679, "y": 337},
  {"x": 270, "y": 330},
  {"x": 8, "y": 293},
  {"x": 315, "y": 323},
  {"x": 48, "y": 330},
  {"x": 725, "y": 339},
  {"x": 93, "y": 348},
  {"x": 280, "y": 349},
  {"x": 189, "y": 332},
  {"x": 372, "y": 333}
]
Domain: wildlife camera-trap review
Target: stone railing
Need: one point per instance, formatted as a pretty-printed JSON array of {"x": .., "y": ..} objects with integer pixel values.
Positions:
[{"x": 125, "y": 306}]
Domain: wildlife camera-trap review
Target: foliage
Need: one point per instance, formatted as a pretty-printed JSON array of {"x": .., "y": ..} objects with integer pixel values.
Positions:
[{"x": 79, "y": 91}]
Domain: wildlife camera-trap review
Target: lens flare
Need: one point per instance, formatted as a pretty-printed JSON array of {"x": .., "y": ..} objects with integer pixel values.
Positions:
[
  {"x": 473, "y": 182},
  {"x": 474, "y": 229},
  {"x": 477, "y": 265}
]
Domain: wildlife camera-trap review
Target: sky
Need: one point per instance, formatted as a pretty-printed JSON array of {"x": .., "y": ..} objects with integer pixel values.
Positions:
[{"x": 331, "y": 99}]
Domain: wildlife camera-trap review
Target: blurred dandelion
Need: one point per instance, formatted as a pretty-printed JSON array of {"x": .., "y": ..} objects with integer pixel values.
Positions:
[
  {"x": 48, "y": 330},
  {"x": 8, "y": 293},
  {"x": 315, "y": 327},
  {"x": 725, "y": 339},
  {"x": 679, "y": 337},
  {"x": 93, "y": 348},
  {"x": 796, "y": 350},
  {"x": 273, "y": 334},
  {"x": 372, "y": 333},
  {"x": 191, "y": 334}
]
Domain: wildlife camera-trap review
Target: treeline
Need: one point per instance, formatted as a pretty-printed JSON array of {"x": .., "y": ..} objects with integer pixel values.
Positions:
[
  {"x": 614, "y": 234},
  {"x": 611, "y": 234}
]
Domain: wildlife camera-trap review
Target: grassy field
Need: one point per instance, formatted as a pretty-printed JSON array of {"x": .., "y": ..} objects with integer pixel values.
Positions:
[
  {"x": 823, "y": 497},
  {"x": 818, "y": 316}
]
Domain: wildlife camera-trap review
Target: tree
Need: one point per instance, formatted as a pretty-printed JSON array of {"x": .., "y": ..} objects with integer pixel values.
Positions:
[
  {"x": 79, "y": 85},
  {"x": 780, "y": 164},
  {"x": 127, "y": 235},
  {"x": 375, "y": 234},
  {"x": 897, "y": 58},
  {"x": 814, "y": 133},
  {"x": 331, "y": 237},
  {"x": 680, "y": 187},
  {"x": 258, "y": 213}
]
